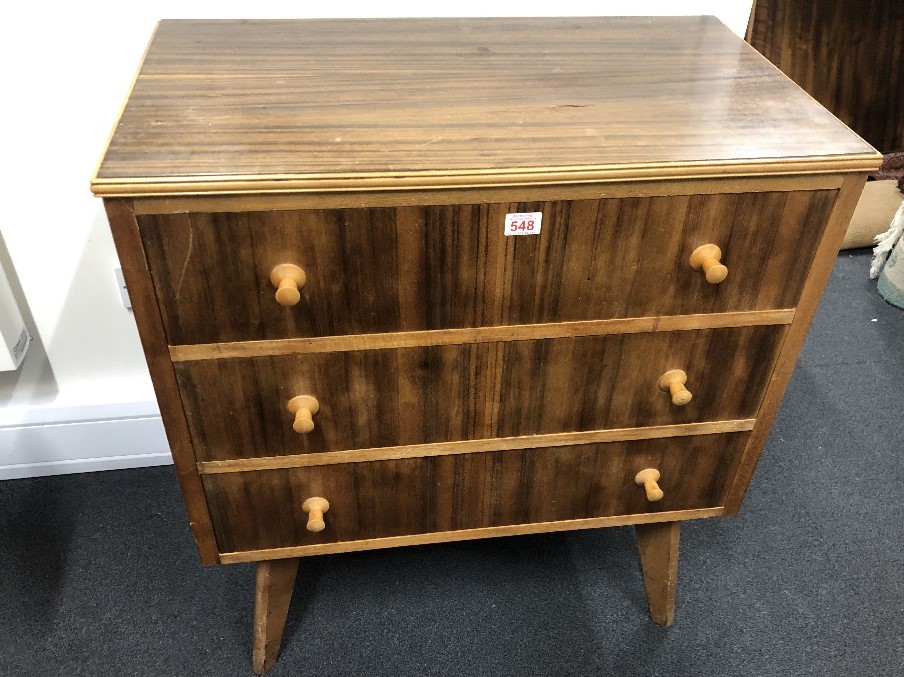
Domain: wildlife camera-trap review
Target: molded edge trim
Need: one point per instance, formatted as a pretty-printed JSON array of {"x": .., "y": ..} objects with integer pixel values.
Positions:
[
  {"x": 467, "y": 535},
  {"x": 504, "y": 333},
  {"x": 653, "y": 187},
  {"x": 472, "y": 178},
  {"x": 474, "y": 446}
]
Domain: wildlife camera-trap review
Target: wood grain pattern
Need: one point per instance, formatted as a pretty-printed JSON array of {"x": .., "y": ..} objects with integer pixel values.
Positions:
[
  {"x": 434, "y": 182},
  {"x": 455, "y": 100},
  {"x": 821, "y": 268},
  {"x": 446, "y": 337},
  {"x": 273, "y": 593},
  {"x": 848, "y": 55},
  {"x": 467, "y": 384},
  {"x": 411, "y": 269},
  {"x": 262, "y": 510},
  {"x": 467, "y": 535},
  {"x": 147, "y": 315},
  {"x": 349, "y": 199},
  {"x": 386, "y": 398},
  {"x": 658, "y": 548},
  {"x": 660, "y": 432}
]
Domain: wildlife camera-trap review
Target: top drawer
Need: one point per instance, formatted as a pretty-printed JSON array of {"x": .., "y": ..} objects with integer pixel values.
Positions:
[{"x": 437, "y": 267}]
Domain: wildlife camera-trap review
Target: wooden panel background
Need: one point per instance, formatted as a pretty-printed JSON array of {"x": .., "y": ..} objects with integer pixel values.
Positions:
[
  {"x": 377, "y": 398},
  {"x": 415, "y": 268},
  {"x": 848, "y": 55},
  {"x": 262, "y": 509}
]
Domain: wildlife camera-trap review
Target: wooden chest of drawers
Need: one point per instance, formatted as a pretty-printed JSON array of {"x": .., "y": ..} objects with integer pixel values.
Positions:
[{"x": 412, "y": 281}]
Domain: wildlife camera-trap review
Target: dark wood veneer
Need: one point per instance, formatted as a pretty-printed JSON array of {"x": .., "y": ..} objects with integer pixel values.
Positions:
[
  {"x": 515, "y": 378},
  {"x": 848, "y": 55},
  {"x": 414, "y": 268},
  {"x": 390, "y": 99},
  {"x": 380, "y": 398},
  {"x": 262, "y": 509}
]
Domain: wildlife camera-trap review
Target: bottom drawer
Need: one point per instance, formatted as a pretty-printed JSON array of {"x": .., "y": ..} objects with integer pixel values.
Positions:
[{"x": 262, "y": 509}]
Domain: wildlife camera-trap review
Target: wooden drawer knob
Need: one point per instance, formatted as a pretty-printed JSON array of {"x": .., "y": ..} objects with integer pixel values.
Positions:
[
  {"x": 315, "y": 507},
  {"x": 673, "y": 381},
  {"x": 304, "y": 407},
  {"x": 287, "y": 278},
  {"x": 708, "y": 257},
  {"x": 648, "y": 478}
]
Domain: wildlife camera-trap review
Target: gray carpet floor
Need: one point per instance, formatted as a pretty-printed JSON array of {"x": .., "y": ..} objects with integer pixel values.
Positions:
[{"x": 99, "y": 575}]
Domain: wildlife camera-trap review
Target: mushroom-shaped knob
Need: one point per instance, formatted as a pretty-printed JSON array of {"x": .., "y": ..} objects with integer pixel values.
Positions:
[
  {"x": 304, "y": 407},
  {"x": 708, "y": 257},
  {"x": 287, "y": 278},
  {"x": 315, "y": 507},
  {"x": 648, "y": 478},
  {"x": 673, "y": 381}
]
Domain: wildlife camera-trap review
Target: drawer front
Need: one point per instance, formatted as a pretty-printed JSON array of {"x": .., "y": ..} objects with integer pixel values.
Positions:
[
  {"x": 439, "y": 267},
  {"x": 263, "y": 509},
  {"x": 377, "y": 398}
]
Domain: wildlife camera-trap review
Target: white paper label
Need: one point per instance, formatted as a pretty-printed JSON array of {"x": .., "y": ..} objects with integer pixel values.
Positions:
[
  {"x": 523, "y": 224},
  {"x": 21, "y": 345}
]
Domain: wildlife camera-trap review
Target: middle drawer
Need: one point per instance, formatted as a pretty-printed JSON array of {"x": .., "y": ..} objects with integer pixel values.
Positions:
[{"x": 238, "y": 408}]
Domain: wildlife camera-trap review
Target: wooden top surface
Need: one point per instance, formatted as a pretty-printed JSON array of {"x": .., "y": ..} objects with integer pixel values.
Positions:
[{"x": 376, "y": 104}]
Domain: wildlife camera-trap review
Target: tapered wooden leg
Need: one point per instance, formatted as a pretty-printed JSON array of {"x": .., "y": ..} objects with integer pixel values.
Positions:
[
  {"x": 658, "y": 546},
  {"x": 275, "y": 582}
]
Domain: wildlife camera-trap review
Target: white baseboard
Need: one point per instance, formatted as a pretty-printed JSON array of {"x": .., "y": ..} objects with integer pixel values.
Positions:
[{"x": 36, "y": 449}]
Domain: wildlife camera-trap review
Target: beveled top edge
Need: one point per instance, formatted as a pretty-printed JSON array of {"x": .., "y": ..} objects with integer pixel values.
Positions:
[{"x": 380, "y": 182}]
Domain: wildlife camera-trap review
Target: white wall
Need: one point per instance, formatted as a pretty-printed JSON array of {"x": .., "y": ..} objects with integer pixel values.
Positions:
[{"x": 82, "y": 399}]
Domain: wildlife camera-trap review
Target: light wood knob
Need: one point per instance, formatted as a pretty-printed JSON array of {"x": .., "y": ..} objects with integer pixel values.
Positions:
[
  {"x": 673, "y": 381},
  {"x": 304, "y": 407},
  {"x": 708, "y": 257},
  {"x": 287, "y": 278},
  {"x": 648, "y": 478},
  {"x": 315, "y": 507}
]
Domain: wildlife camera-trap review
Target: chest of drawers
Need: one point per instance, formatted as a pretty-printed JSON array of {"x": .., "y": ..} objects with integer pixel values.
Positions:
[{"x": 413, "y": 281}]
